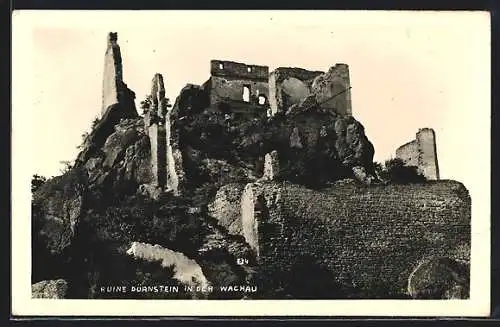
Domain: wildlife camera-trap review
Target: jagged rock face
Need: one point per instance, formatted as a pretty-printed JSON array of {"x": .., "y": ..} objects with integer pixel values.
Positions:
[
  {"x": 117, "y": 168},
  {"x": 49, "y": 289},
  {"x": 314, "y": 146},
  {"x": 123, "y": 162},
  {"x": 56, "y": 211}
]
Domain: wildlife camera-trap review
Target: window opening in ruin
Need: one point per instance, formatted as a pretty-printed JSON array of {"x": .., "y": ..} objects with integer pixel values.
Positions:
[
  {"x": 221, "y": 66},
  {"x": 246, "y": 93},
  {"x": 249, "y": 69},
  {"x": 262, "y": 100}
]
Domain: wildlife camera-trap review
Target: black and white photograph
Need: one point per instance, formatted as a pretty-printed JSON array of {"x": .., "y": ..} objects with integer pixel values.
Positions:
[{"x": 253, "y": 156}]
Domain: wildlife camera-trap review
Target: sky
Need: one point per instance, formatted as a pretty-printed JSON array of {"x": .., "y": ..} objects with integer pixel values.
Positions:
[{"x": 408, "y": 70}]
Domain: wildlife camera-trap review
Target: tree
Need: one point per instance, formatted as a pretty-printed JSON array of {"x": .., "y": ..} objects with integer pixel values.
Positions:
[
  {"x": 146, "y": 104},
  {"x": 95, "y": 122},
  {"x": 379, "y": 169},
  {"x": 36, "y": 182},
  {"x": 68, "y": 165}
]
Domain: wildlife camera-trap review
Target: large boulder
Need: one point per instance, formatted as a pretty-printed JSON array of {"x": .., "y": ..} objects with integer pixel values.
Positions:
[
  {"x": 439, "y": 278},
  {"x": 49, "y": 289}
]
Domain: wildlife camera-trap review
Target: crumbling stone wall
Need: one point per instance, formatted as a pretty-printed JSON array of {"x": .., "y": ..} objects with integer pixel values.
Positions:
[
  {"x": 288, "y": 86},
  {"x": 261, "y": 215},
  {"x": 426, "y": 139},
  {"x": 154, "y": 119},
  {"x": 271, "y": 165},
  {"x": 292, "y": 86},
  {"x": 166, "y": 162},
  {"x": 421, "y": 153},
  {"x": 158, "y": 154},
  {"x": 227, "y": 82},
  {"x": 332, "y": 90},
  {"x": 409, "y": 153},
  {"x": 371, "y": 238},
  {"x": 114, "y": 90},
  {"x": 112, "y": 72},
  {"x": 175, "y": 171}
]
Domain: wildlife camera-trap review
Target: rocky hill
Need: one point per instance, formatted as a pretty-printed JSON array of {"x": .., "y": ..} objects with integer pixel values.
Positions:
[{"x": 199, "y": 199}]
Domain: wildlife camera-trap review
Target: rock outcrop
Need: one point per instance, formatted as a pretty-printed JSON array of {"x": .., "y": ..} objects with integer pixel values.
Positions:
[
  {"x": 439, "y": 278},
  {"x": 314, "y": 146},
  {"x": 49, "y": 289}
]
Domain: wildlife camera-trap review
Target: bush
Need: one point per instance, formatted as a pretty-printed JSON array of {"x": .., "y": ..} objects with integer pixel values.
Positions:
[
  {"x": 142, "y": 220},
  {"x": 36, "y": 182},
  {"x": 395, "y": 171}
]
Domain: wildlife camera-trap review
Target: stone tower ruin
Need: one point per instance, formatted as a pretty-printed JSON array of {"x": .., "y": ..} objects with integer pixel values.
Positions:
[
  {"x": 164, "y": 166},
  {"x": 421, "y": 153},
  {"x": 154, "y": 122},
  {"x": 114, "y": 91}
]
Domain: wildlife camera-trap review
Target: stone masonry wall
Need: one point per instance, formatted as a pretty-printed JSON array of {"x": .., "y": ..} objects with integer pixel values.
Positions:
[
  {"x": 291, "y": 86},
  {"x": 421, "y": 153},
  {"x": 428, "y": 155},
  {"x": 370, "y": 237},
  {"x": 409, "y": 153},
  {"x": 158, "y": 154},
  {"x": 332, "y": 90},
  {"x": 228, "y": 80},
  {"x": 118, "y": 101},
  {"x": 113, "y": 77}
]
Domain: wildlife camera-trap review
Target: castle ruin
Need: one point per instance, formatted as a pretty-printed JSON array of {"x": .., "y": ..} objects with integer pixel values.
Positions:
[
  {"x": 238, "y": 87},
  {"x": 292, "y": 86},
  {"x": 114, "y": 91},
  {"x": 421, "y": 153},
  {"x": 118, "y": 102},
  {"x": 154, "y": 120},
  {"x": 253, "y": 90},
  {"x": 157, "y": 124}
]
